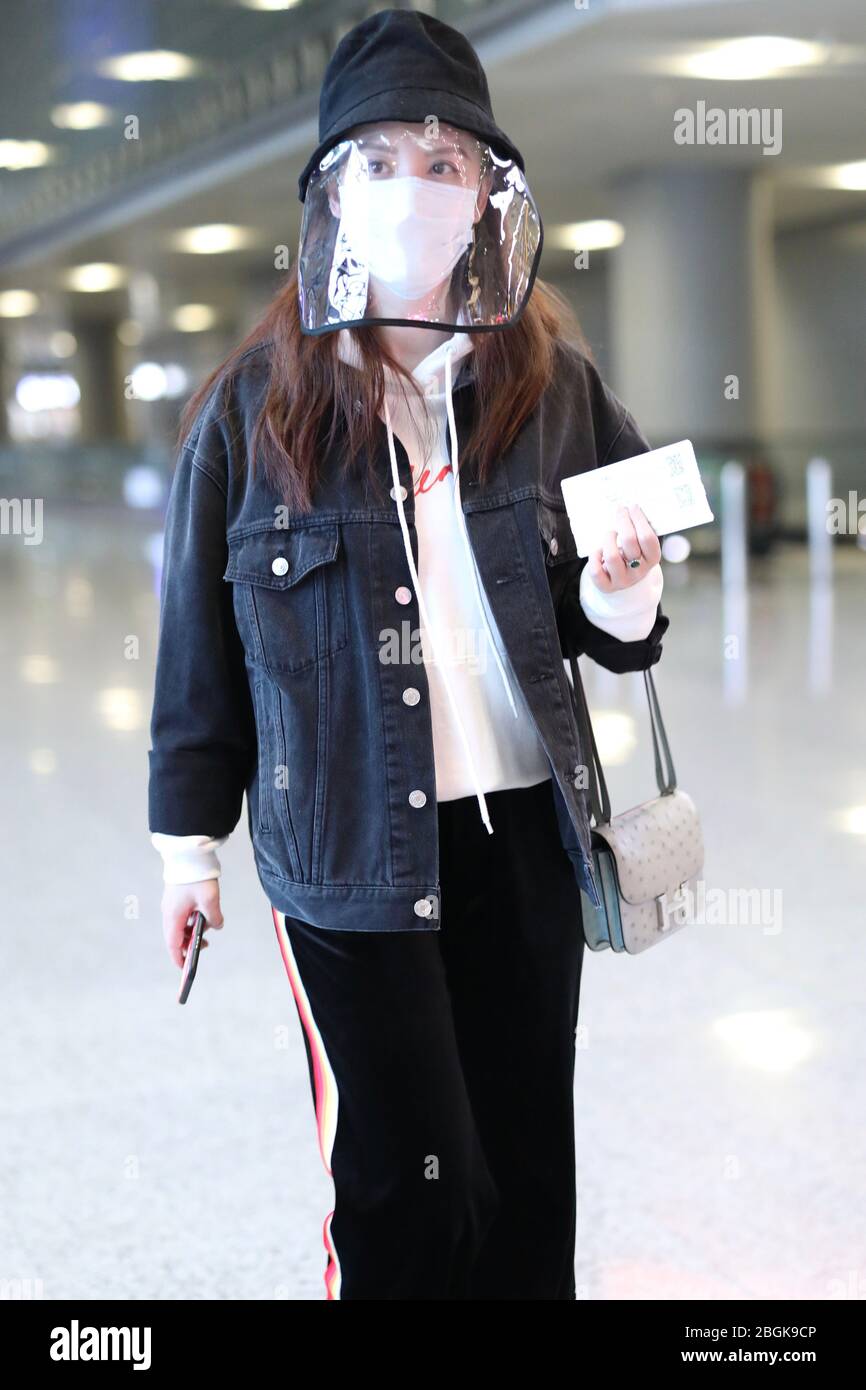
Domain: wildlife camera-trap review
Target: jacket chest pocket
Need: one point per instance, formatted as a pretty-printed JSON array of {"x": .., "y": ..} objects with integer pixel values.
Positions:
[
  {"x": 557, "y": 537},
  {"x": 291, "y": 590}
]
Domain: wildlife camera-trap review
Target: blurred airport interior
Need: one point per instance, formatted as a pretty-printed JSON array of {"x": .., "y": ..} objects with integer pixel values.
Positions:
[
  {"x": 700, "y": 168},
  {"x": 149, "y": 209}
]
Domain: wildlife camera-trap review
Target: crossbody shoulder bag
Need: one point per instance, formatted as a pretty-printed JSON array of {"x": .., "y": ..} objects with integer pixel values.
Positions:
[{"x": 647, "y": 860}]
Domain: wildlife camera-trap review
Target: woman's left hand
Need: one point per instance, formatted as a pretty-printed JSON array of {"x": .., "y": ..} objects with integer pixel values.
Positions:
[{"x": 633, "y": 539}]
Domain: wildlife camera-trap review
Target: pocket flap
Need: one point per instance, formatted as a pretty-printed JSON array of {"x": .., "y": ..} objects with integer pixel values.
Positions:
[
  {"x": 556, "y": 533},
  {"x": 277, "y": 559},
  {"x": 657, "y": 846}
]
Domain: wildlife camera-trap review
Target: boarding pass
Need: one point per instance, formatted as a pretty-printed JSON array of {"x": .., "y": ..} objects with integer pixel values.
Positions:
[{"x": 664, "y": 483}]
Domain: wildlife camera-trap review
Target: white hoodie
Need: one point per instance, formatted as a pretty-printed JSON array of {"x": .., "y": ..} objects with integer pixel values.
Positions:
[{"x": 483, "y": 735}]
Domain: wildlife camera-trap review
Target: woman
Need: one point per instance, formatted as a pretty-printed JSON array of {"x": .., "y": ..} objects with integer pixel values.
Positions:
[{"x": 370, "y": 584}]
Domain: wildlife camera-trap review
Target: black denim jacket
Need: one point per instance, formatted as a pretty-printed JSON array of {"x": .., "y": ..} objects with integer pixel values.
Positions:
[{"x": 269, "y": 679}]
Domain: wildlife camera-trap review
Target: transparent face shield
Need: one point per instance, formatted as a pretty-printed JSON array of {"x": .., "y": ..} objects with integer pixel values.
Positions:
[{"x": 416, "y": 224}]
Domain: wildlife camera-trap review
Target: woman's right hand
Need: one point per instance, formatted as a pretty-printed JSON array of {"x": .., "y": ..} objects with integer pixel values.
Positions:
[{"x": 179, "y": 902}]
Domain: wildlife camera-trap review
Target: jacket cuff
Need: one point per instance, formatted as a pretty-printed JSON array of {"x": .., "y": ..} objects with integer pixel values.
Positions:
[
  {"x": 581, "y": 637},
  {"x": 626, "y": 656},
  {"x": 187, "y": 788}
]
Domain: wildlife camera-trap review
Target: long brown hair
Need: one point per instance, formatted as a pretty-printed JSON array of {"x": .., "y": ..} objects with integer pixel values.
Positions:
[{"x": 312, "y": 395}]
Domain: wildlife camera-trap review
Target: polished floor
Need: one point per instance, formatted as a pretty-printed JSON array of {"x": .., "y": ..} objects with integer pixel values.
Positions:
[{"x": 154, "y": 1151}]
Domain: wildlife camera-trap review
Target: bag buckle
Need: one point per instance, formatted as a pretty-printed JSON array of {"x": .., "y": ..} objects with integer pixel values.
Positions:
[{"x": 671, "y": 908}]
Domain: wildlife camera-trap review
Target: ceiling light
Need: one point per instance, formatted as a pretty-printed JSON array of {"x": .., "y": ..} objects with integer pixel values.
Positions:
[
  {"x": 194, "y": 318},
  {"x": 148, "y": 382},
  {"x": 154, "y": 65},
  {"x": 47, "y": 391},
  {"x": 95, "y": 278},
  {"x": 153, "y": 381},
  {"x": 850, "y": 176},
  {"x": 596, "y": 235},
  {"x": 81, "y": 115},
  {"x": 269, "y": 4},
  {"x": 24, "y": 154},
  {"x": 63, "y": 343},
  {"x": 746, "y": 59},
  {"x": 130, "y": 332},
  {"x": 18, "y": 304},
  {"x": 212, "y": 239}
]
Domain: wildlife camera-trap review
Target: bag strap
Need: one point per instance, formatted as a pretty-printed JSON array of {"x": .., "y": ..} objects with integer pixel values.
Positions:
[
  {"x": 666, "y": 777},
  {"x": 599, "y": 797}
]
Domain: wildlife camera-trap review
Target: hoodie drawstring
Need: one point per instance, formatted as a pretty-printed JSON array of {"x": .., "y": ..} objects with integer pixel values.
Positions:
[{"x": 461, "y": 523}]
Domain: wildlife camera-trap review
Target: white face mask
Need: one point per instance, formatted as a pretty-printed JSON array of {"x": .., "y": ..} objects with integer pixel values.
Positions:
[{"x": 409, "y": 232}]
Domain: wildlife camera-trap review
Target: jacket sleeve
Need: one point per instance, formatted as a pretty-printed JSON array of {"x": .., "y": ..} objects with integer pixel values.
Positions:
[
  {"x": 617, "y": 437},
  {"x": 203, "y": 737}
]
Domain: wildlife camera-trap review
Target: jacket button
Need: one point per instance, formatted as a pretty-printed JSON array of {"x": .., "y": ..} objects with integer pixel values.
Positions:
[
  {"x": 411, "y": 696},
  {"x": 417, "y": 798},
  {"x": 403, "y": 493},
  {"x": 554, "y": 545},
  {"x": 280, "y": 565},
  {"x": 423, "y": 907},
  {"x": 403, "y": 595}
]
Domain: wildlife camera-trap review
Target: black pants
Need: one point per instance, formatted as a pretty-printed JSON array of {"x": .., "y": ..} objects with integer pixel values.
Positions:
[{"x": 442, "y": 1070}]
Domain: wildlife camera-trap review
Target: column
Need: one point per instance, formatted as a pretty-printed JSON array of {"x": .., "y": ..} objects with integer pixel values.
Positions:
[{"x": 688, "y": 302}]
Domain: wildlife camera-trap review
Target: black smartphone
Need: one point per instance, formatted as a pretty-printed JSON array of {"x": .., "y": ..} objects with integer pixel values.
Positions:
[{"x": 193, "y": 951}]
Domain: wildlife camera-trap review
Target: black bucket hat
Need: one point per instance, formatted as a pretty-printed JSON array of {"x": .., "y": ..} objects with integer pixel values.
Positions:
[{"x": 401, "y": 65}]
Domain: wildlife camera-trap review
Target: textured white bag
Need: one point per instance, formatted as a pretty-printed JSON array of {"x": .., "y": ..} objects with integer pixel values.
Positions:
[{"x": 647, "y": 860}]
